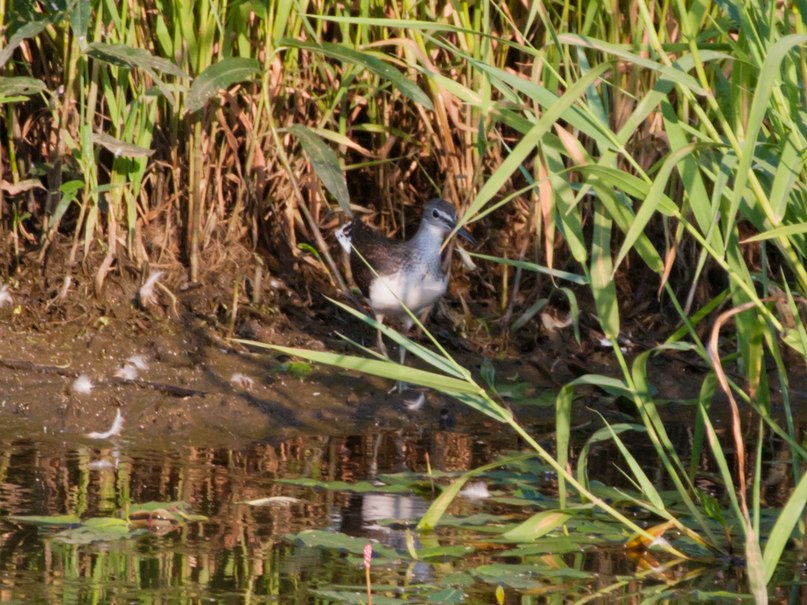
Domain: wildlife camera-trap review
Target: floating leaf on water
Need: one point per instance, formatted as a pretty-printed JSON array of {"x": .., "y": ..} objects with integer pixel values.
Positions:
[
  {"x": 46, "y": 520},
  {"x": 447, "y": 596},
  {"x": 559, "y": 545},
  {"x": 272, "y": 500},
  {"x": 455, "y": 552},
  {"x": 99, "y": 529},
  {"x": 362, "y": 487},
  {"x": 173, "y": 512},
  {"x": 331, "y": 540},
  {"x": 480, "y": 522},
  {"x": 641, "y": 543},
  {"x": 536, "y": 526},
  {"x": 357, "y": 597}
]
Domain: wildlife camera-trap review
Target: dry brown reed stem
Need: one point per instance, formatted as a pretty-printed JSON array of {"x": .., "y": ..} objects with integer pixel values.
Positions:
[{"x": 736, "y": 426}]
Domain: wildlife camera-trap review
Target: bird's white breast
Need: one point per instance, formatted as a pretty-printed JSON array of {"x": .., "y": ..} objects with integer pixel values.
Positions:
[{"x": 417, "y": 292}]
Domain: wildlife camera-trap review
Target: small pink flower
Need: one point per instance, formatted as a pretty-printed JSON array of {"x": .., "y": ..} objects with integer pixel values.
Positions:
[{"x": 368, "y": 555}]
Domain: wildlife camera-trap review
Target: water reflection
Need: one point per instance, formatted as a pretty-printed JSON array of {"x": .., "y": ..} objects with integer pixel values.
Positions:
[
  {"x": 240, "y": 550},
  {"x": 243, "y": 552}
]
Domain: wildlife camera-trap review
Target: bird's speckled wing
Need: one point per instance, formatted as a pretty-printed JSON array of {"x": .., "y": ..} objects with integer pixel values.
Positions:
[{"x": 372, "y": 245}]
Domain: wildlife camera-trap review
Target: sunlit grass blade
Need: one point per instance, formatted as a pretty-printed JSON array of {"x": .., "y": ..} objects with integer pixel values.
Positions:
[
  {"x": 555, "y": 273},
  {"x": 441, "y": 362},
  {"x": 375, "y": 367},
  {"x": 782, "y": 532},
  {"x": 537, "y": 526},
  {"x": 431, "y": 518}
]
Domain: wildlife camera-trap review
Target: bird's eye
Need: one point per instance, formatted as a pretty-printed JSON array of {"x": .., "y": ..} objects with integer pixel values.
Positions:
[{"x": 435, "y": 214}]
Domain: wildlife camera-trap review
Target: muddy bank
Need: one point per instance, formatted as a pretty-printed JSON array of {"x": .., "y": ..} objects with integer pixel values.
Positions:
[
  {"x": 193, "y": 384},
  {"x": 199, "y": 387}
]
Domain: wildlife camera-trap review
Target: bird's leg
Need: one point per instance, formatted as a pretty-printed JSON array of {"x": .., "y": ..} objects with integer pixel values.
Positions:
[
  {"x": 402, "y": 353},
  {"x": 381, "y": 346}
]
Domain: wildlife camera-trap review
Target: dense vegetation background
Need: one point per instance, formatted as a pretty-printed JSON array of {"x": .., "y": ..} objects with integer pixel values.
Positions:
[{"x": 642, "y": 155}]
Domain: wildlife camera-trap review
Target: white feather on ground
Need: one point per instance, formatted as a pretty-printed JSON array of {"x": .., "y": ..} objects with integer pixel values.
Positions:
[
  {"x": 242, "y": 381},
  {"x": 127, "y": 372},
  {"x": 5, "y": 296},
  {"x": 138, "y": 361},
  {"x": 146, "y": 293},
  {"x": 83, "y": 384},
  {"x": 114, "y": 430}
]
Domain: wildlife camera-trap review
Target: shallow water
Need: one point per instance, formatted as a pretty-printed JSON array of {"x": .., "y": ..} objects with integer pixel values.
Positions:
[
  {"x": 240, "y": 550},
  {"x": 231, "y": 444},
  {"x": 245, "y": 553}
]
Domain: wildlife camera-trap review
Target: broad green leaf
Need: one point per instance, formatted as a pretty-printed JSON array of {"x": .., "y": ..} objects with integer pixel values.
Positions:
[
  {"x": 219, "y": 76},
  {"x": 69, "y": 191},
  {"x": 19, "y": 86},
  {"x": 563, "y": 425},
  {"x": 362, "y": 487},
  {"x": 102, "y": 529},
  {"x": 447, "y": 596},
  {"x": 769, "y": 76},
  {"x": 576, "y": 117},
  {"x": 691, "y": 178},
  {"x": 29, "y": 30},
  {"x": 755, "y": 566},
  {"x": 580, "y": 280},
  {"x": 384, "y": 369},
  {"x": 790, "y": 166},
  {"x": 604, "y": 434},
  {"x": 651, "y": 202},
  {"x": 79, "y": 11},
  {"x": 648, "y": 490},
  {"x": 121, "y": 55},
  {"x": 325, "y": 163}
]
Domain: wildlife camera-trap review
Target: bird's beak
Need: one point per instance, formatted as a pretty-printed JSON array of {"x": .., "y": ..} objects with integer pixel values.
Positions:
[{"x": 464, "y": 234}]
